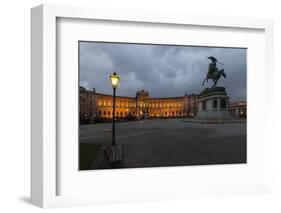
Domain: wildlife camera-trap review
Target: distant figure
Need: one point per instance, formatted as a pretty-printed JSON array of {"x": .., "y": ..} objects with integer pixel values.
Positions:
[{"x": 214, "y": 73}]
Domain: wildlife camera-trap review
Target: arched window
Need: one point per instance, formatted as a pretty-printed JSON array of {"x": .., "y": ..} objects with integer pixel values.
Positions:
[
  {"x": 204, "y": 105},
  {"x": 108, "y": 112},
  {"x": 215, "y": 104},
  {"x": 104, "y": 112},
  {"x": 223, "y": 103}
]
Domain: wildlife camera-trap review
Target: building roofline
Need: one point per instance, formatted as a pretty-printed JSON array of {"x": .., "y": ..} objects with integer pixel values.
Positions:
[
  {"x": 241, "y": 103},
  {"x": 157, "y": 98}
]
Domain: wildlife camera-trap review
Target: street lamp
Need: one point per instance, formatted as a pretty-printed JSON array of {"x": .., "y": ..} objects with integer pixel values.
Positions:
[
  {"x": 114, "y": 152},
  {"x": 114, "y": 78}
]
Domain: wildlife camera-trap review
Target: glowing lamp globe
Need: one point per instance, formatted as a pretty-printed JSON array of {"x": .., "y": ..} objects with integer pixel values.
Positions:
[{"x": 114, "y": 78}]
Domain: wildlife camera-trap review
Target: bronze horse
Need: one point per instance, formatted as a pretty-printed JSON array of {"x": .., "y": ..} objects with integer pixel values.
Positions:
[{"x": 215, "y": 76}]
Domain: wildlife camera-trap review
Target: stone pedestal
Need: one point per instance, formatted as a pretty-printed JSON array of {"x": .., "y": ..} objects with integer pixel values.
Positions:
[{"x": 213, "y": 105}]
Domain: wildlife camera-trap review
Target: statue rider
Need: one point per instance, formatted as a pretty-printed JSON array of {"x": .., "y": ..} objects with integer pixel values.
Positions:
[{"x": 212, "y": 66}]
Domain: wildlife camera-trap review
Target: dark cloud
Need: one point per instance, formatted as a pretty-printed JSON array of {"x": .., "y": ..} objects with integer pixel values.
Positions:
[{"x": 162, "y": 70}]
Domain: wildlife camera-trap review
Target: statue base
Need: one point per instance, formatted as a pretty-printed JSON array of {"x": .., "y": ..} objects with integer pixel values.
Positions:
[{"x": 213, "y": 105}]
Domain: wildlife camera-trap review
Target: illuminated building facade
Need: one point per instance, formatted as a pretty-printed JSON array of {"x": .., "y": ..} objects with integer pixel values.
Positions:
[
  {"x": 97, "y": 106},
  {"x": 238, "y": 109}
]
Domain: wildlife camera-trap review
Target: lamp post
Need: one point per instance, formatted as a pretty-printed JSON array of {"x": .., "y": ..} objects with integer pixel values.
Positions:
[
  {"x": 113, "y": 152},
  {"x": 114, "y": 78}
]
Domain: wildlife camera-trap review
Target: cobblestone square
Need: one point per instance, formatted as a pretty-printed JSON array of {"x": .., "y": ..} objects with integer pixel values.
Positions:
[{"x": 165, "y": 142}]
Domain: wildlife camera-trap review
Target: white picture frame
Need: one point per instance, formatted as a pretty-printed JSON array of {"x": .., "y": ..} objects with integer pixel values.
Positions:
[{"x": 44, "y": 154}]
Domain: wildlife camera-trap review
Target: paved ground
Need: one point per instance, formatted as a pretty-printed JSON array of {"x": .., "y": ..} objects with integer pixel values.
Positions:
[{"x": 168, "y": 142}]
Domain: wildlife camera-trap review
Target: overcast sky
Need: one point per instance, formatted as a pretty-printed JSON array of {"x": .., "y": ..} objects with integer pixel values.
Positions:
[{"x": 162, "y": 70}]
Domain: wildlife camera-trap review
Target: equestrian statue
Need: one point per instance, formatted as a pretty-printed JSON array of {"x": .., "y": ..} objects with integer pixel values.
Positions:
[{"x": 214, "y": 73}]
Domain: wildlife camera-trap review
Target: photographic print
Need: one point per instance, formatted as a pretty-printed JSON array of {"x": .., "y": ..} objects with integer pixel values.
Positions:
[{"x": 154, "y": 105}]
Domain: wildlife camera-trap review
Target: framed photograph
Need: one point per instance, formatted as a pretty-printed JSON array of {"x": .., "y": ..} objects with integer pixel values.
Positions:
[{"x": 149, "y": 106}]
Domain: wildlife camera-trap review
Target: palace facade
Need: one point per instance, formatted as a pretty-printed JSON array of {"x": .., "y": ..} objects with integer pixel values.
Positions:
[{"x": 97, "y": 106}]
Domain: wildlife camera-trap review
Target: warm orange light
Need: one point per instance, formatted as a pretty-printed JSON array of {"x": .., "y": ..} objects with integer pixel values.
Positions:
[{"x": 114, "y": 78}]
